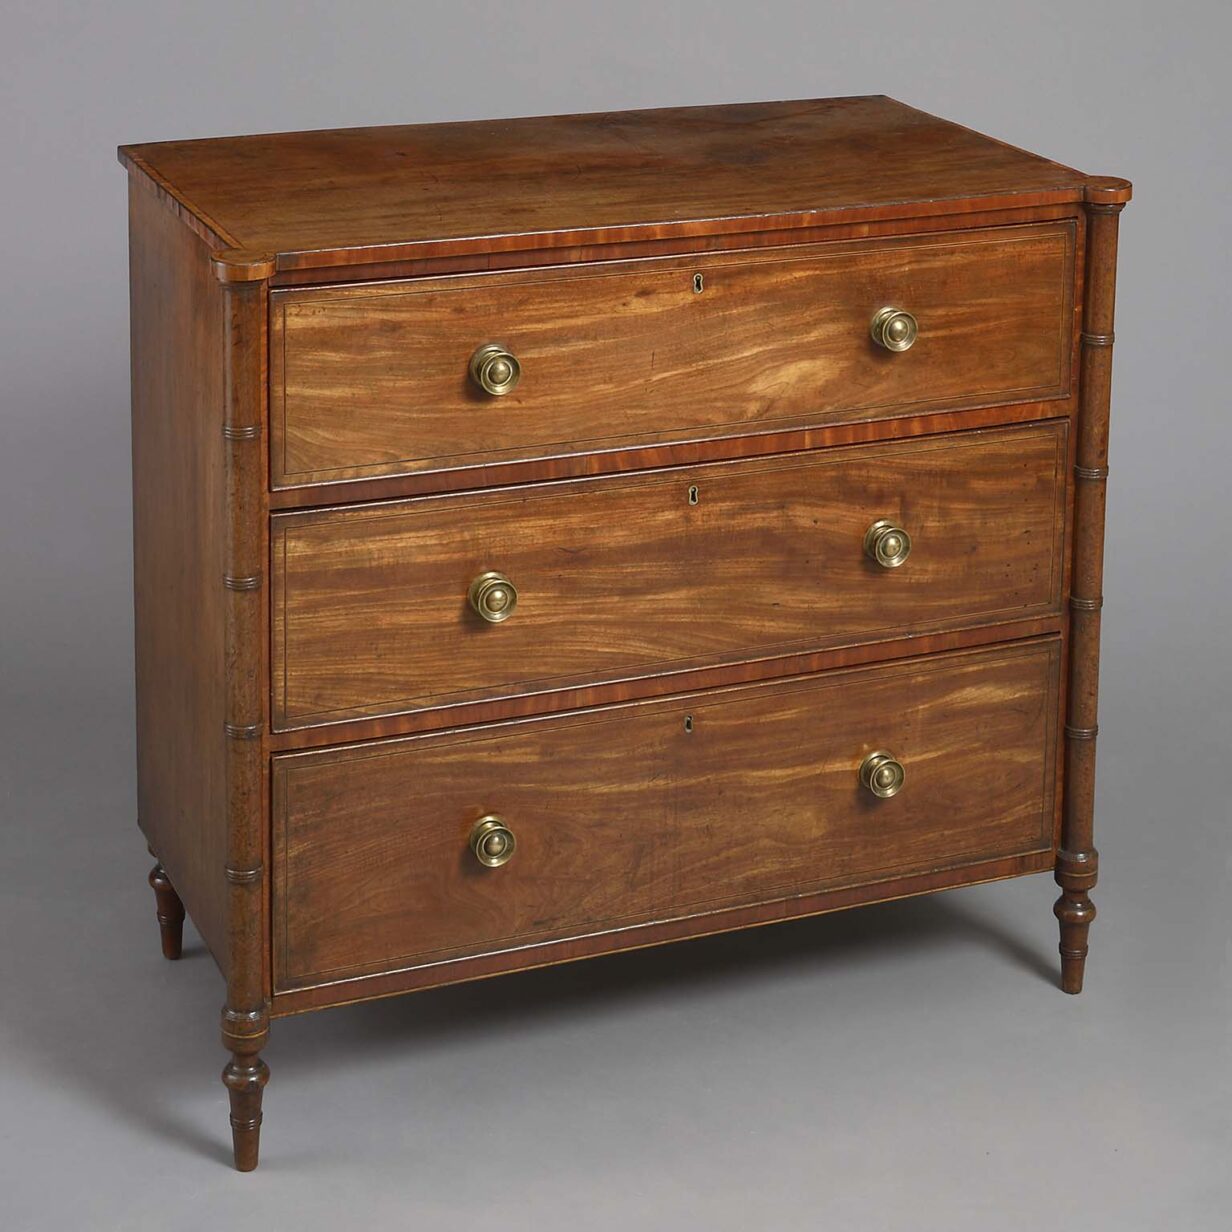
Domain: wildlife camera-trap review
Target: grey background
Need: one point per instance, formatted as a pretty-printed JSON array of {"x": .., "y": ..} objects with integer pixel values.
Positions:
[{"x": 908, "y": 1066}]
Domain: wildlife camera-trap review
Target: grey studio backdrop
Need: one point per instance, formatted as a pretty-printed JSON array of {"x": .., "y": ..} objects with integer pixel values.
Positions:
[{"x": 906, "y": 1066}]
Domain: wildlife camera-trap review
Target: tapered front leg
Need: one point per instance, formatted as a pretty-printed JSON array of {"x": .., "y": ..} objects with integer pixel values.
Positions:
[
  {"x": 170, "y": 912},
  {"x": 1076, "y": 875},
  {"x": 245, "y": 1015},
  {"x": 1077, "y": 861},
  {"x": 245, "y": 1076}
]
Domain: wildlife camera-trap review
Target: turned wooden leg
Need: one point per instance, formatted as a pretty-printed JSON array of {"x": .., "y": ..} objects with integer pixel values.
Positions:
[
  {"x": 1076, "y": 875},
  {"x": 245, "y": 1077},
  {"x": 1077, "y": 861},
  {"x": 170, "y": 912},
  {"x": 245, "y": 1033}
]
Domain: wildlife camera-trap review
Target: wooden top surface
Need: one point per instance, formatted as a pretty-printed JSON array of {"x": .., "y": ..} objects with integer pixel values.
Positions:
[{"x": 350, "y": 196}]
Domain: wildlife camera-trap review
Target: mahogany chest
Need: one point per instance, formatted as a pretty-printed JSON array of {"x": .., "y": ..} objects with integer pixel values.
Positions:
[{"x": 561, "y": 535}]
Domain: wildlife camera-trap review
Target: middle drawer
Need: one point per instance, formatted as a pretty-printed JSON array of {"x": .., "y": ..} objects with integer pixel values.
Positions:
[{"x": 376, "y": 606}]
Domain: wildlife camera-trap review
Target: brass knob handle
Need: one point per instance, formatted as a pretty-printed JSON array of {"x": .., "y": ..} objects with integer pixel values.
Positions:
[
  {"x": 887, "y": 544},
  {"x": 495, "y": 370},
  {"x": 493, "y": 596},
  {"x": 492, "y": 841},
  {"x": 894, "y": 328},
  {"x": 882, "y": 774}
]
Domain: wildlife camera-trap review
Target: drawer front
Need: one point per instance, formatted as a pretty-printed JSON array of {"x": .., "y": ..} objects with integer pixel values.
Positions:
[
  {"x": 638, "y": 575},
  {"x": 657, "y": 811},
  {"x": 373, "y": 381}
]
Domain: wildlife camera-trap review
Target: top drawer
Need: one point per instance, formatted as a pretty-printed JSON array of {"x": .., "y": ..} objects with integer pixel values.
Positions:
[{"x": 373, "y": 380}]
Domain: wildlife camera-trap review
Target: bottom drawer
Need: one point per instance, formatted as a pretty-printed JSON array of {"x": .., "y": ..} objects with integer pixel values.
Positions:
[{"x": 657, "y": 810}]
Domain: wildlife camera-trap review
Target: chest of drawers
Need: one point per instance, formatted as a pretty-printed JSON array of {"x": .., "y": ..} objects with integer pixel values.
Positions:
[{"x": 563, "y": 535}]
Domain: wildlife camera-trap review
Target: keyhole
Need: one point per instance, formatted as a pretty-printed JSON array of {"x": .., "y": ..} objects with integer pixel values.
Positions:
[
  {"x": 698, "y": 284},
  {"x": 688, "y": 722},
  {"x": 693, "y": 494}
]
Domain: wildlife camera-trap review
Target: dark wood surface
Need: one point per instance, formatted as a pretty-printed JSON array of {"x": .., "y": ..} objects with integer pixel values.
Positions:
[
  {"x": 377, "y": 194},
  {"x": 1078, "y": 860},
  {"x": 244, "y": 429},
  {"x": 270, "y": 398},
  {"x": 178, "y": 535},
  {"x": 624, "y": 577},
  {"x": 200, "y": 552},
  {"x": 743, "y": 671},
  {"x": 372, "y": 380},
  {"x": 674, "y": 453},
  {"x": 657, "y": 810},
  {"x": 825, "y": 230},
  {"x": 703, "y": 924},
  {"x": 169, "y": 911}
]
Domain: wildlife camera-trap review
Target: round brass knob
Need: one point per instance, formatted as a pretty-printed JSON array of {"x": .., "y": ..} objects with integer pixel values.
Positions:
[
  {"x": 492, "y": 841},
  {"x": 887, "y": 544},
  {"x": 894, "y": 328},
  {"x": 495, "y": 370},
  {"x": 493, "y": 596},
  {"x": 882, "y": 774}
]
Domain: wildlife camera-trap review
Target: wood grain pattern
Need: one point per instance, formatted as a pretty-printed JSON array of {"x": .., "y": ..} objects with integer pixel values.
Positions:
[
  {"x": 178, "y": 536},
  {"x": 723, "y": 675},
  {"x": 691, "y": 245},
  {"x": 372, "y": 380},
  {"x": 339, "y": 197},
  {"x": 200, "y": 542},
  {"x": 657, "y": 810},
  {"x": 625, "y": 577},
  {"x": 703, "y": 924},
  {"x": 676, "y": 453},
  {"x": 673, "y": 721}
]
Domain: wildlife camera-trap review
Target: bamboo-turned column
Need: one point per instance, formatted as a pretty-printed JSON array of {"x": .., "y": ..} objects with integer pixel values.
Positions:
[
  {"x": 245, "y": 1016},
  {"x": 1077, "y": 861}
]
